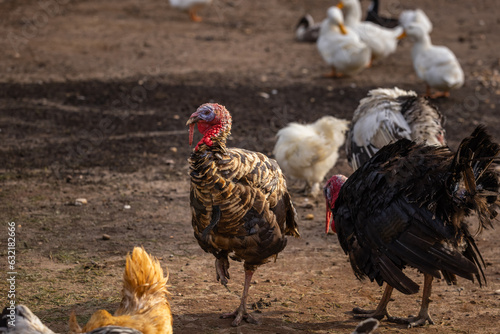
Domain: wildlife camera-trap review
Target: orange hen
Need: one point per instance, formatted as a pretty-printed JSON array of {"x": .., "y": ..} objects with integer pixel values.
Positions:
[{"x": 144, "y": 304}]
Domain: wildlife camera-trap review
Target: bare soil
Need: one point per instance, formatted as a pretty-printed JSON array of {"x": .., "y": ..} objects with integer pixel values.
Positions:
[{"x": 94, "y": 96}]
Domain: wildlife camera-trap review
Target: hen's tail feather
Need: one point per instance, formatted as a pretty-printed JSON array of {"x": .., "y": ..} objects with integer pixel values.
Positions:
[{"x": 143, "y": 279}]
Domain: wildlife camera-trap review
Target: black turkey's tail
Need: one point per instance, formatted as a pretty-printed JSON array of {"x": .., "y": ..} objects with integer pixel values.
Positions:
[{"x": 472, "y": 183}]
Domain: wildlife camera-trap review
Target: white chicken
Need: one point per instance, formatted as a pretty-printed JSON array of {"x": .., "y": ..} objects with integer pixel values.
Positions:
[
  {"x": 436, "y": 65},
  {"x": 192, "y": 6},
  {"x": 387, "y": 115},
  {"x": 382, "y": 41},
  {"x": 308, "y": 151},
  {"x": 341, "y": 47}
]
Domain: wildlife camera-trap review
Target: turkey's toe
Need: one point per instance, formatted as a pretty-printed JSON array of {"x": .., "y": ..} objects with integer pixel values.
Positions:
[
  {"x": 362, "y": 313},
  {"x": 238, "y": 315},
  {"x": 412, "y": 321}
]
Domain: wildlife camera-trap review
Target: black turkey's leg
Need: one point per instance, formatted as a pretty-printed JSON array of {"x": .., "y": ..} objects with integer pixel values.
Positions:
[
  {"x": 381, "y": 311},
  {"x": 241, "y": 312},
  {"x": 423, "y": 314}
]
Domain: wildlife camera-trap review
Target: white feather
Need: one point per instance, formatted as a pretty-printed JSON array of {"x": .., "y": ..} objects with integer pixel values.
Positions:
[
  {"x": 379, "y": 121},
  {"x": 186, "y": 4},
  {"x": 308, "y": 151},
  {"x": 436, "y": 65},
  {"x": 410, "y": 16},
  {"x": 382, "y": 41},
  {"x": 345, "y": 52}
]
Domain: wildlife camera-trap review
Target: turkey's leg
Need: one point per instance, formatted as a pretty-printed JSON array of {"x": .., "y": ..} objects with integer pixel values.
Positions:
[
  {"x": 222, "y": 270},
  {"x": 241, "y": 312},
  {"x": 423, "y": 314},
  {"x": 381, "y": 311}
]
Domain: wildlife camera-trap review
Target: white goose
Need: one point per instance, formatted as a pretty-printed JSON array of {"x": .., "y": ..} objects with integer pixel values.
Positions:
[
  {"x": 436, "y": 65},
  {"x": 382, "y": 41},
  {"x": 192, "y": 6},
  {"x": 341, "y": 47}
]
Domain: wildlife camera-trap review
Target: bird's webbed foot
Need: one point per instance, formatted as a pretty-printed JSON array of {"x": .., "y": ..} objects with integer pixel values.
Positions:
[{"x": 222, "y": 270}]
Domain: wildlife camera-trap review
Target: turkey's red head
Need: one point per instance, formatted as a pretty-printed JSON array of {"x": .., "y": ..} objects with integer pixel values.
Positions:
[
  {"x": 211, "y": 119},
  {"x": 331, "y": 191}
]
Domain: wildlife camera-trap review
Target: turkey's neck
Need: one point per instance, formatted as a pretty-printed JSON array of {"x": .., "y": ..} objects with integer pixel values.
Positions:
[{"x": 214, "y": 138}]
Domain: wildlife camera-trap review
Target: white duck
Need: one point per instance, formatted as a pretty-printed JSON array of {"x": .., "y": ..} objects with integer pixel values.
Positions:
[
  {"x": 436, "y": 65},
  {"x": 192, "y": 6},
  {"x": 410, "y": 16},
  {"x": 341, "y": 47},
  {"x": 382, "y": 41}
]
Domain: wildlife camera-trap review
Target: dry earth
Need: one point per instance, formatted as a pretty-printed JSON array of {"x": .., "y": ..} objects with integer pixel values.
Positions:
[{"x": 94, "y": 96}]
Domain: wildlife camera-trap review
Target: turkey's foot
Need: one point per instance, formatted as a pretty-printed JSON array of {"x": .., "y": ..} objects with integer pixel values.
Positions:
[
  {"x": 412, "y": 321},
  {"x": 364, "y": 314},
  {"x": 241, "y": 313},
  {"x": 381, "y": 311},
  {"x": 222, "y": 270}
]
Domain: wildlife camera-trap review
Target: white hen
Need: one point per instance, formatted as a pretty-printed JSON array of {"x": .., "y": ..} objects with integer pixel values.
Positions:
[
  {"x": 436, "y": 65},
  {"x": 387, "y": 115},
  {"x": 308, "y": 151}
]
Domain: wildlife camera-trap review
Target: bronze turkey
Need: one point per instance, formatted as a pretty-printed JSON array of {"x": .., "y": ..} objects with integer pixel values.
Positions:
[{"x": 240, "y": 204}]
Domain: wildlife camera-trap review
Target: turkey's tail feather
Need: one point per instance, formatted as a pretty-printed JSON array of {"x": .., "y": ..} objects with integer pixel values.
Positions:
[{"x": 472, "y": 183}]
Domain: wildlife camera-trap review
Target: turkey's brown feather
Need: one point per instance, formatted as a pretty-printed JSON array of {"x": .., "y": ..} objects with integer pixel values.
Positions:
[{"x": 250, "y": 191}]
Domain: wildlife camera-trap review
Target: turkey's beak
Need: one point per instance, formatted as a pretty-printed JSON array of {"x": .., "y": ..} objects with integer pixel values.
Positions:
[
  {"x": 403, "y": 35},
  {"x": 191, "y": 122},
  {"x": 342, "y": 29},
  {"x": 340, "y": 5}
]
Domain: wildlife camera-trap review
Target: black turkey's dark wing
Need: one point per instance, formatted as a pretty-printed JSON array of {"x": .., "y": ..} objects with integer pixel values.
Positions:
[{"x": 397, "y": 210}]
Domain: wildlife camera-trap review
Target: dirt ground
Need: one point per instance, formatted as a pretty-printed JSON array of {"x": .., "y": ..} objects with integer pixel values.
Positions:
[{"x": 94, "y": 97}]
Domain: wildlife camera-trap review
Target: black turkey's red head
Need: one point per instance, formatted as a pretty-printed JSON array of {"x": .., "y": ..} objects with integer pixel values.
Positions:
[
  {"x": 331, "y": 191},
  {"x": 213, "y": 120}
]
